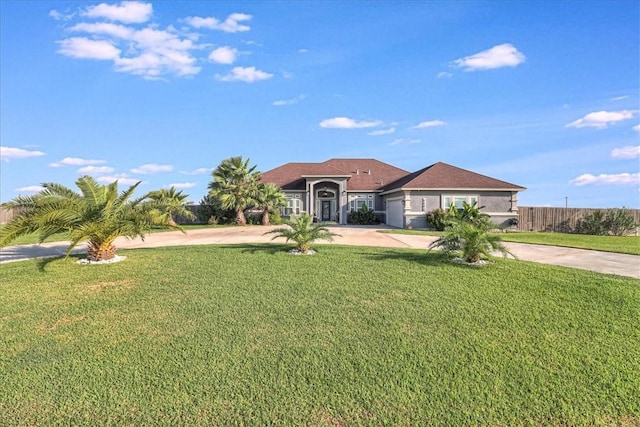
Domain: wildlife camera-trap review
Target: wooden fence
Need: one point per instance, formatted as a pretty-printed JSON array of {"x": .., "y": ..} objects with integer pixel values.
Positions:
[{"x": 559, "y": 220}]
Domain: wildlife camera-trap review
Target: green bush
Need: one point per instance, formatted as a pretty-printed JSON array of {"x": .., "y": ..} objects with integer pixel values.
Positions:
[
  {"x": 210, "y": 207},
  {"x": 437, "y": 219},
  {"x": 618, "y": 222},
  {"x": 363, "y": 216}
]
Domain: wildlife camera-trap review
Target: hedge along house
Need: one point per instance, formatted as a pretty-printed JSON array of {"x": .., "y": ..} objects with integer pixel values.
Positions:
[{"x": 331, "y": 189}]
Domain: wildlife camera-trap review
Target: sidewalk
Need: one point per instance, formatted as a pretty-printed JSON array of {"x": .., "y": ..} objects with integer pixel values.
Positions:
[{"x": 603, "y": 262}]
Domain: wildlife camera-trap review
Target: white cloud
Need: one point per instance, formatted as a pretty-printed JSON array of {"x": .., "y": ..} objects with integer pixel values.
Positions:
[
  {"x": 444, "y": 75},
  {"x": 382, "y": 132},
  {"x": 91, "y": 170},
  {"x": 182, "y": 185},
  {"x": 503, "y": 55},
  {"x": 636, "y": 128},
  {"x": 230, "y": 25},
  {"x": 602, "y": 119},
  {"x": 244, "y": 74},
  {"x": 224, "y": 55},
  {"x": 7, "y": 153},
  {"x": 150, "y": 168},
  {"x": 615, "y": 179},
  {"x": 30, "y": 189},
  {"x": 130, "y": 12},
  {"x": 58, "y": 16},
  {"x": 76, "y": 161},
  {"x": 347, "y": 123},
  {"x": 619, "y": 98},
  {"x": 628, "y": 152},
  {"x": 404, "y": 141},
  {"x": 148, "y": 52},
  {"x": 429, "y": 124},
  {"x": 289, "y": 101},
  {"x": 121, "y": 178},
  {"x": 199, "y": 171},
  {"x": 303, "y": 50},
  {"x": 84, "y": 48}
]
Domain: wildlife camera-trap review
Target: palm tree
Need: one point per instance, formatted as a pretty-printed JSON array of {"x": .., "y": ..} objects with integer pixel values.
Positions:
[
  {"x": 235, "y": 185},
  {"x": 472, "y": 239},
  {"x": 270, "y": 197},
  {"x": 303, "y": 231},
  {"x": 97, "y": 214},
  {"x": 172, "y": 203}
]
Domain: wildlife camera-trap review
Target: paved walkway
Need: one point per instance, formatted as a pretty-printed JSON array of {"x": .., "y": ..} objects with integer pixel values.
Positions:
[{"x": 603, "y": 262}]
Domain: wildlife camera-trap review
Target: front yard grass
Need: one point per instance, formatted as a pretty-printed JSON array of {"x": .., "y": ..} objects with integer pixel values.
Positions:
[
  {"x": 619, "y": 244},
  {"x": 248, "y": 335}
]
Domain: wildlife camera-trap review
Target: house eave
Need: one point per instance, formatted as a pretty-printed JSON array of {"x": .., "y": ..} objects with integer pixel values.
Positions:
[
  {"x": 450, "y": 189},
  {"x": 325, "y": 176}
]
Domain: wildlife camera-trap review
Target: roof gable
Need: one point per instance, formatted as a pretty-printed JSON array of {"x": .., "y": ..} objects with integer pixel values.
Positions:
[{"x": 444, "y": 176}]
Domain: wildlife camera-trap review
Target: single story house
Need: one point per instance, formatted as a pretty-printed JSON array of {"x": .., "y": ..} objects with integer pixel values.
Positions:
[{"x": 331, "y": 189}]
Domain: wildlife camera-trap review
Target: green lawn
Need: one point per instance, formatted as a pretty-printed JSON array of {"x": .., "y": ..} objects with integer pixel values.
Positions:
[
  {"x": 619, "y": 244},
  {"x": 248, "y": 335}
]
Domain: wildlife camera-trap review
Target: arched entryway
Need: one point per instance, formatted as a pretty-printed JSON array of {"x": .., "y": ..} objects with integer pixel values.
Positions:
[{"x": 326, "y": 204}]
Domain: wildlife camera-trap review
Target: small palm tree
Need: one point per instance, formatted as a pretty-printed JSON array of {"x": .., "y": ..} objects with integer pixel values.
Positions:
[
  {"x": 270, "y": 197},
  {"x": 472, "y": 239},
  {"x": 172, "y": 203},
  {"x": 235, "y": 185},
  {"x": 303, "y": 232},
  {"x": 98, "y": 214}
]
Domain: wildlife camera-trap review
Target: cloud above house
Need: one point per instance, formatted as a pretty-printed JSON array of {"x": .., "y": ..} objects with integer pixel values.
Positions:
[
  {"x": 636, "y": 128},
  {"x": 429, "y": 124},
  {"x": 230, "y": 25},
  {"x": 121, "y": 178},
  {"x": 224, "y": 55},
  {"x": 95, "y": 170},
  {"x": 29, "y": 189},
  {"x": 151, "y": 168},
  {"x": 125, "y": 35},
  {"x": 290, "y": 101},
  {"x": 348, "y": 123},
  {"x": 382, "y": 132},
  {"x": 607, "y": 179},
  {"x": 181, "y": 185},
  {"x": 244, "y": 74},
  {"x": 76, "y": 161},
  {"x": 628, "y": 152},
  {"x": 129, "y": 12},
  {"x": 7, "y": 153},
  {"x": 502, "y": 55},
  {"x": 602, "y": 119},
  {"x": 619, "y": 98},
  {"x": 198, "y": 171}
]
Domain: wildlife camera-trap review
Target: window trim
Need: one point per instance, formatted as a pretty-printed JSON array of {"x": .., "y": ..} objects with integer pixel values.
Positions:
[{"x": 468, "y": 198}]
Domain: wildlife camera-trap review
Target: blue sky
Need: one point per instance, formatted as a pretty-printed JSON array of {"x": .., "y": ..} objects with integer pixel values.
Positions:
[{"x": 543, "y": 94}]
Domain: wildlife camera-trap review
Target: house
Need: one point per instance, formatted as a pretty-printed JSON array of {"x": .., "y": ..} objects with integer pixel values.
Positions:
[{"x": 331, "y": 189}]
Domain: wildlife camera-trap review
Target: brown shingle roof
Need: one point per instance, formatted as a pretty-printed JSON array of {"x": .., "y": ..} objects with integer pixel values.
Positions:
[
  {"x": 444, "y": 176},
  {"x": 372, "y": 175},
  {"x": 366, "y": 174}
]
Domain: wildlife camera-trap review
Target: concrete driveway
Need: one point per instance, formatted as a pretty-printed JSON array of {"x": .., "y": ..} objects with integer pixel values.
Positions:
[{"x": 603, "y": 262}]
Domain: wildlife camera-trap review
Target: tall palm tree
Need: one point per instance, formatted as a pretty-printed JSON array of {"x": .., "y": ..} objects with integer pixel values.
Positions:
[
  {"x": 303, "y": 232},
  {"x": 235, "y": 185},
  {"x": 98, "y": 214},
  {"x": 172, "y": 203},
  {"x": 270, "y": 197}
]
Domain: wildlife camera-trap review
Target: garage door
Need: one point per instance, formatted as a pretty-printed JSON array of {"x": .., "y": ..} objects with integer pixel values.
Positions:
[{"x": 395, "y": 213}]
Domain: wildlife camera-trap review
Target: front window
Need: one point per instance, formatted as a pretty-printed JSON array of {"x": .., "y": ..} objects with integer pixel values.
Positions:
[
  {"x": 458, "y": 201},
  {"x": 294, "y": 205},
  {"x": 356, "y": 201}
]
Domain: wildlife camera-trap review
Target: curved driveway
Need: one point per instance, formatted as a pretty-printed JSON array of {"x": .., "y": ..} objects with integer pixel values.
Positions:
[{"x": 603, "y": 262}]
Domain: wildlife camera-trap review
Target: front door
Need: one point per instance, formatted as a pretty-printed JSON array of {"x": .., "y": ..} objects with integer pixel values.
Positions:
[{"x": 326, "y": 211}]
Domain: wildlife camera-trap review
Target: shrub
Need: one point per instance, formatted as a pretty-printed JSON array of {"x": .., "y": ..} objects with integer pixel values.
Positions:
[
  {"x": 436, "y": 219},
  {"x": 620, "y": 222},
  {"x": 363, "y": 216},
  {"x": 274, "y": 217},
  {"x": 210, "y": 207}
]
